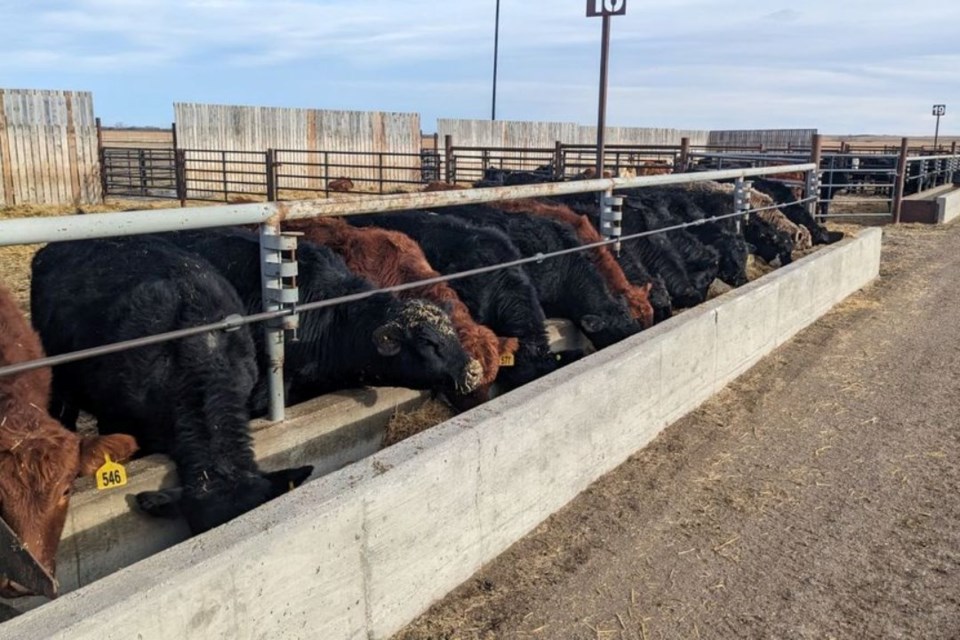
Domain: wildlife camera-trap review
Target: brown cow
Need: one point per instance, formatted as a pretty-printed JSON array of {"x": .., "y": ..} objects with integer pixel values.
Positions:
[
  {"x": 637, "y": 297},
  {"x": 39, "y": 458},
  {"x": 388, "y": 258}
]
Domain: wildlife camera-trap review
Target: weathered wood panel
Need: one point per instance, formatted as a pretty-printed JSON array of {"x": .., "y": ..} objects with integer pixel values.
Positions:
[
  {"x": 48, "y": 148},
  {"x": 370, "y": 148}
]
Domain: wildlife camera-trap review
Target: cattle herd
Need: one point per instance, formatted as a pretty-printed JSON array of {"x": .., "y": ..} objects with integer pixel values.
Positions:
[{"x": 465, "y": 339}]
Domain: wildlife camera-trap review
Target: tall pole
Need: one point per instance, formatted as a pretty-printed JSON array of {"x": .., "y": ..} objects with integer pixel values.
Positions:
[
  {"x": 602, "y": 116},
  {"x": 936, "y": 134},
  {"x": 496, "y": 51}
]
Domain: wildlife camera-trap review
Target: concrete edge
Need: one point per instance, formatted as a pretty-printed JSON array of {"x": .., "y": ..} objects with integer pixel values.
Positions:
[
  {"x": 360, "y": 552},
  {"x": 948, "y": 207}
]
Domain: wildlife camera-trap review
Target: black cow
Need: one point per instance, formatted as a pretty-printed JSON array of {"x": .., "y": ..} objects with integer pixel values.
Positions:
[
  {"x": 185, "y": 398},
  {"x": 796, "y": 213},
  {"x": 766, "y": 240},
  {"x": 676, "y": 205},
  {"x": 380, "y": 340},
  {"x": 629, "y": 260},
  {"x": 504, "y": 300},
  {"x": 568, "y": 286}
]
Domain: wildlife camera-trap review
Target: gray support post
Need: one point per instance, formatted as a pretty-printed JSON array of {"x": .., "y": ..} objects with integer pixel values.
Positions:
[
  {"x": 278, "y": 286},
  {"x": 741, "y": 200},
  {"x": 813, "y": 177},
  {"x": 901, "y": 179},
  {"x": 611, "y": 218}
]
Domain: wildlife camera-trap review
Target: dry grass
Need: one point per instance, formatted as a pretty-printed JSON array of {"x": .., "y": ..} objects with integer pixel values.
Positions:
[{"x": 409, "y": 423}]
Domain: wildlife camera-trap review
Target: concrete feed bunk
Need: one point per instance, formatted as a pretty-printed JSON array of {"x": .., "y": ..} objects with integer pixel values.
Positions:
[{"x": 361, "y": 551}]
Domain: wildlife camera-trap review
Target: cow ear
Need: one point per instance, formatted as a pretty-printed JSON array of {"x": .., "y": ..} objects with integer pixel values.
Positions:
[
  {"x": 161, "y": 504},
  {"x": 592, "y": 323},
  {"x": 387, "y": 339},
  {"x": 95, "y": 449},
  {"x": 287, "y": 479}
]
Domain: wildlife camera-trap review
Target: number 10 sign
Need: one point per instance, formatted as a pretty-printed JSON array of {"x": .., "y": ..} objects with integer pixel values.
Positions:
[{"x": 596, "y": 8}]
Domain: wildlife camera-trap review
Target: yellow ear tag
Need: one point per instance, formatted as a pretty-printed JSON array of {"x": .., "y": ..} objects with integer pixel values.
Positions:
[
  {"x": 506, "y": 360},
  {"x": 111, "y": 475}
]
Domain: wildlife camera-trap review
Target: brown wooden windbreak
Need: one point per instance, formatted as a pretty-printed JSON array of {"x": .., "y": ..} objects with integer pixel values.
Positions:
[{"x": 48, "y": 148}]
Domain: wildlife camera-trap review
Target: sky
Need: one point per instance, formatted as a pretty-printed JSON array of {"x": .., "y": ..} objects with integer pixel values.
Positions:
[{"x": 841, "y": 66}]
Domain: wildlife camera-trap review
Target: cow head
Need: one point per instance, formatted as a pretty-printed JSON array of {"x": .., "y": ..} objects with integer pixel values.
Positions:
[
  {"x": 37, "y": 470},
  {"x": 611, "y": 324},
  {"x": 733, "y": 261},
  {"x": 212, "y": 500},
  {"x": 418, "y": 348},
  {"x": 770, "y": 243}
]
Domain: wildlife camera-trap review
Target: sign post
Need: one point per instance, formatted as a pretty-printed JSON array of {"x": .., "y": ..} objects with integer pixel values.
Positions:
[
  {"x": 604, "y": 9},
  {"x": 938, "y": 110}
]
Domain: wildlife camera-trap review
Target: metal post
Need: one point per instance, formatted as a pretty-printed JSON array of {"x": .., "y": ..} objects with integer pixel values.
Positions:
[
  {"x": 901, "y": 180},
  {"x": 380, "y": 170},
  {"x": 602, "y": 115},
  {"x": 496, "y": 51},
  {"x": 278, "y": 289},
  {"x": 180, "y": 174},
  {"x": 558, "y": 168},
  {"x": 271, "y": 169},
  {"x": 684, "y": 156},
  {"x": 173, "y": 135},
  {"x": 813, "y": 177},
  {"x": 936, "y": 136},
  {"x": 448, "y": 158},
  {"x": 102, "y": 158},
  {"x": 741, "y": 200},
  {"x": 611, "y": 218},
  {"x": 223, "y": 167}
]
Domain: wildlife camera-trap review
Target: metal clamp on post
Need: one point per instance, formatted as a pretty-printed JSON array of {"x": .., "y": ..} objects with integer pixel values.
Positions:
[
  {"x": 278, "y": 279},
  {"x": 741, "y": 200},
  {"x": 611, "y": 218},
  {"x": 812, "y": 190}
]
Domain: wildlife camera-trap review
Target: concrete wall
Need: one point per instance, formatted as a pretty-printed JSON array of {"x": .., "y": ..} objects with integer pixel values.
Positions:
[
  {"x": 362, "y": 551},
  {"x": 948, "y": 207}
]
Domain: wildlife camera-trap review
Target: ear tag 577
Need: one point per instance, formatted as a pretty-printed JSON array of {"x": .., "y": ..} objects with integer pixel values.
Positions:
[
  {"x": 111, "y": 475},
  {"x": 506, "y": 360}
]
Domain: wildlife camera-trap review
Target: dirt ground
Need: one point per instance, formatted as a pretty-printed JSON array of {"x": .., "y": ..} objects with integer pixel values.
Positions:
[{"x": 817, "y": 497}]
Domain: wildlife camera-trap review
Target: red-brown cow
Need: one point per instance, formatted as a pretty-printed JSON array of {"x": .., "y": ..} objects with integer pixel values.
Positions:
[
  {"x": 637, "y": 297},
  {"x": 388, "y": 258},
  {"x": 39, "y": 458},
  {"x": 341, "y": 185}
]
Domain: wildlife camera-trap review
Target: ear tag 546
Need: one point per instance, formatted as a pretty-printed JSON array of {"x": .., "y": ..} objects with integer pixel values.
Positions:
[{"x": 111, "y": 475}]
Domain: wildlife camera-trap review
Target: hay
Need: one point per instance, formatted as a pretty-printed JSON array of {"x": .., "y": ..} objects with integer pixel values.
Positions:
[
  {"x": 757, "y": 267},
  {"x": 404, "y": 424}
]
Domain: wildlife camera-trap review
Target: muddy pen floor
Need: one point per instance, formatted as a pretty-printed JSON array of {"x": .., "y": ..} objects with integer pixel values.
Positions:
[{"x": 816, "y": 497}]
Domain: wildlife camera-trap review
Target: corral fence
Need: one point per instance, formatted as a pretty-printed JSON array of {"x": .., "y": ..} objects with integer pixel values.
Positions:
[{"x": 274, "y": 174}]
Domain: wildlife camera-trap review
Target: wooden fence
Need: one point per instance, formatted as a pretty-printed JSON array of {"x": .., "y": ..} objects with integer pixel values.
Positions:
[
  {"x": 769, "y": 138},
  {"x": 304, "y": 135},
  {"x": 48, "y": 148}
]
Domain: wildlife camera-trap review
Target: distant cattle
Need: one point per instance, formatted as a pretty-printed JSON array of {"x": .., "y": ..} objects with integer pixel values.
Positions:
[
  {"x": 379, "y": 340},
  {"x": 342, "y": 185},
  {"x": 40, "y": 458},
  {"x": 569, "y": 286},
  {"x": 389, "y": 258},
  {"x": 504, "y": 299},
  {"x": 186, "y": 398}
]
